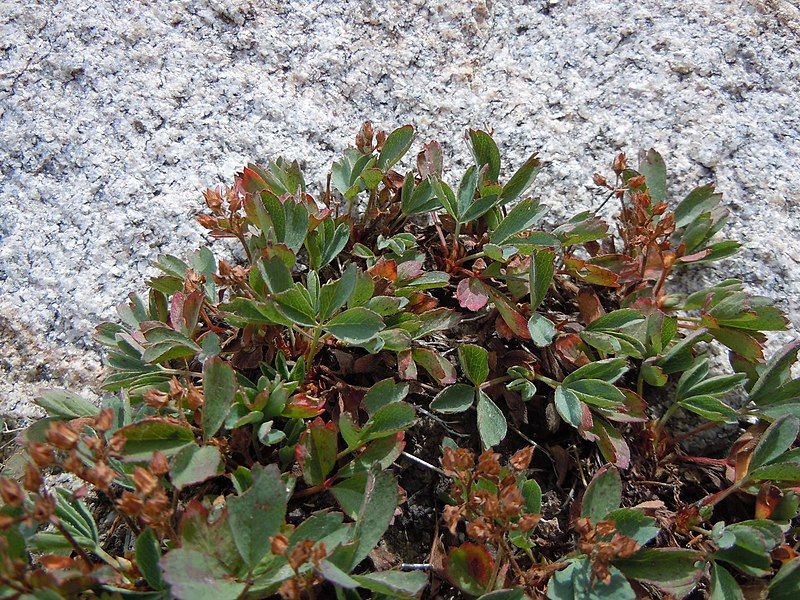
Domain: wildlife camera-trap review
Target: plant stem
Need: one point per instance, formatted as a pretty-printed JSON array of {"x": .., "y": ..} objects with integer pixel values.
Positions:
[
  {"x": 551, "y": 382},
  {"x": 455, "y": 238},
  {"x": 470, "y": 257},
  {"x": 314, "y": 344}
]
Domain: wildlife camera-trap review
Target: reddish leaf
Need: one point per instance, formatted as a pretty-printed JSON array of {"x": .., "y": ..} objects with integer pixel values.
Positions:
[
  {"x": 471, "y": 294},
  {"x": 768, "y": 498},
  {"x": 569, "y": 349},
  {"x": 513, "y": 319},
  {"x": 590, "y": 273},
  {"x": 429, "y": 161},
  {"x": 436, "y": 365},
  {"x": 176, "y": 310},
  {"x": 301, "y": 406},
  {"x": 409, "y": 270},
  {"x": 470, "y": 567},
  {"x": 406, "y": 367},
  {"x": 316, "y": 451},
  {"x": 251, "y": 181},
  {"x": 611, "y": 443},
  {"x": 589, "y": 305},
  {"x": 386, "y": 269}
]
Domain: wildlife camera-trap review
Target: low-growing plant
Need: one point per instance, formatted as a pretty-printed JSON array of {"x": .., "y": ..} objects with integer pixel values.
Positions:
[{"x": 260, "y": 406}]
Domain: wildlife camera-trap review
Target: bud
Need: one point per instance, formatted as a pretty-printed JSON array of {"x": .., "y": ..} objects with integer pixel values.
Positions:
[
  {"x": 101, "y": 476},
  {"x": 130, "y": 504},
  {"x": 635, "y": 182},
  {"x": 159, "y": 464},
  {"x": 156, "y": 399},
  {"x": 62, "y": 436},
  {"x": 194, "y": 399},
  {"x": 319, "y": 553},
  {"x": 6, "y": 521},
  {"x": 528, "y": 522},
  {"x": 522, "y": 459},
  {"x": 144, "y": 481},
  {"x": 380, "y": 139},
  {"x": 41, "y": 454},
  {"x": 44, "y": 508},
  {"x": 32, "y": 480},
  {"x": 175, "y": 387},
  {"x": 117, "y": 443},
  {"x": 599, "y": 180},
  {"x": 620, "y": 163},
  {"x": 207, "y": 221},
  {"x": 105, "y": 420},
  {"x": 278, "y": 544},
  {"x": 11, "y": 492},
  {"x": 213, "y": 200}
]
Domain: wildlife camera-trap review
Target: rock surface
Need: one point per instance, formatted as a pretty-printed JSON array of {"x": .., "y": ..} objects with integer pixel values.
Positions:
[{"x": 115, "y": 115}]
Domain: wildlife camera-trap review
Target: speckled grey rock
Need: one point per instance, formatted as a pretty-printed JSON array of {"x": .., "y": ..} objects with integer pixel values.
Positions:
[{"x": 114, "y": 115}]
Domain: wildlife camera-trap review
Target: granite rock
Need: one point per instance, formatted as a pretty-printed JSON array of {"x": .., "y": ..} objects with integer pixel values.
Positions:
[{"x": 115, "y": 115}]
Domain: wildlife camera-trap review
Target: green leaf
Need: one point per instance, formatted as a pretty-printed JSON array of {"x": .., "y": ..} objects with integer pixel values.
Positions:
[
  {"x": 388, "y": 420},
  {"x": 383, "y": 393},
  {"x": 577, "y": 582},
  {"x": 64, "y": 404},
  {"x": 317, "y": 451},
  {"x": 258, "y": 513},
  {"x": 723, "y": 585},
  {"x": 781, "y": 471},
  {"x": 336, "y": 576},
  {"x": 634, "y": 524},
  {"x": 519, "y": 219},
  {"x": 485, "y": 152},
  {"x": 778, "y": 438},
  {"x": 569, "y": 406},
  {"x": 542, "y": 330},
  {"x": 754, "y": 540},
  {"x": 775, "y": 374},
  {"x": 492, "y": 425},
  {"x": 670, "y": 569},
  {"x": 615, "y": 320},
  {"x": 521, "y": 180},
  {"x": 148, "y": 553},
  {"x": 194, "y": 465},
  {"x": 145, "y": 437},
  {"x": 700, "y": 200},
  {"x": 786, "y": 582},
  {"x": 470, "y": 568},
  {"x": 597, "y": 392},
  {"x": 454, "y": 399},
  {"x": 335, "y": 294},
  {"x": 541, "y": 275},
  {"x": 475, "y": 363},
  {"x": 652, "y": 166},
  {"x": 710, "y": 408},
  {"x": 515, "y": 594},
  {"x": 193, "y": 575},
  {"x": 275, "y": 274},
  {"x": 608, "y": 370},
  {"x": 603, "y": 494},
  {"x": 466, "y": 192},
  {"x": 394, "y": 583},
  {"x": 396, "y": 145},
  {"x": 355, "y": 325},
  {"x": 532, "y": 493},
  {"x": 219, "y": 390},
  {"x": 380, "y": 501},
  {"x": 295, "y": 305}
]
